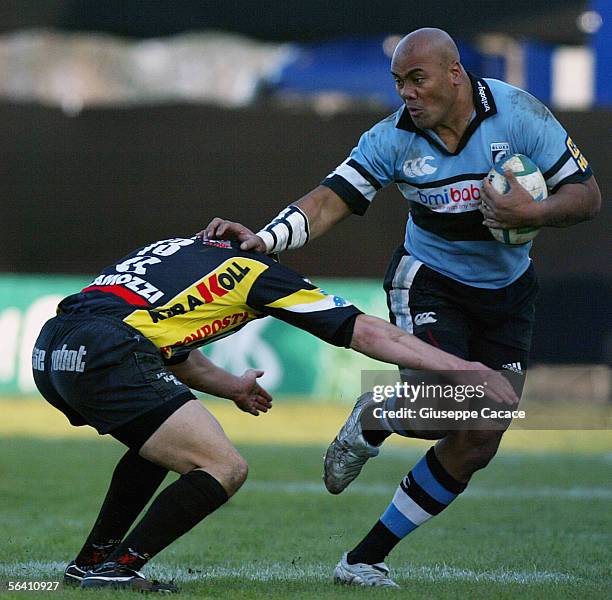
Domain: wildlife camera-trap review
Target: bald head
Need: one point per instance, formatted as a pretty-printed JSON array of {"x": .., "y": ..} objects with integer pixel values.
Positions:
[
  {"x": 431, "y": 42},
  {"x": 430, "y": 79}
]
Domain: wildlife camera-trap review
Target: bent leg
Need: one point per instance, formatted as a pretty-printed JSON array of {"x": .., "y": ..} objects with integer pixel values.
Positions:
[
  {"x": 192, "y": 438},
  {"x": 441, "y": 312},
  {"x": 192, "y": 443}
]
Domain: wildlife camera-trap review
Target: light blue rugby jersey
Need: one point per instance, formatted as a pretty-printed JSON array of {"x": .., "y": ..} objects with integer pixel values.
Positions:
[{"x": 444, "y": 229}]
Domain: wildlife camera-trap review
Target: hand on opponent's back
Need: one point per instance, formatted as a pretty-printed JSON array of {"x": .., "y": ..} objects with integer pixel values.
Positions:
[{"x": 222, "y": 229}]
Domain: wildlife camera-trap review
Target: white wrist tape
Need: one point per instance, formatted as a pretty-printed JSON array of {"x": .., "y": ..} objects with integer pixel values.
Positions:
[{"x": 288, "y": 231}]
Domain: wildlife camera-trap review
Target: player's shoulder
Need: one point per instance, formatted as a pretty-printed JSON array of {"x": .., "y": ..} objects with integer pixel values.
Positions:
[
  {"x": 501, "y": 87},
  {"x": 388, "y": 125},
  {"x": 511, "y": 99},
  {"x": 387, "y": 136}
]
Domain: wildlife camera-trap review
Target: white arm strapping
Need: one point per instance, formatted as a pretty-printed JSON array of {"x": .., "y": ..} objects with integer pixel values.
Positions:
[{"x": 289, "y": 230}]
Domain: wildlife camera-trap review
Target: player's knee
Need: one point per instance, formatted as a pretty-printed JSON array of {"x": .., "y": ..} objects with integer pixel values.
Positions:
[
  {"x": 232, "y": 472},
  {"x": 480, "y": 447},
  {"x": 224, "y": 464},
  {"x": 240, "y": 471}
]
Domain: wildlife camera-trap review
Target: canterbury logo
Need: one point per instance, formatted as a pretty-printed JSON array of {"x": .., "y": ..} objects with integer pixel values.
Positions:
[
  {"x": 417, "y": 167},
  {"x": 426, "y": 317}
]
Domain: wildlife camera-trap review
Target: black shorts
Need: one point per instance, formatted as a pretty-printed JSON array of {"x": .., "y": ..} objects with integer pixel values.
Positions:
[
  {"x": 101, "y": 372},
  {"x": 491, "y": 326}
]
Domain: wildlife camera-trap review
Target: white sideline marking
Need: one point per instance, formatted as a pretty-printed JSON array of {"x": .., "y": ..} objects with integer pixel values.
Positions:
[
  {"x": 512, "y": 456},
  {"x": 379, "y": 489},
  {"x": 286, "y": 572}
]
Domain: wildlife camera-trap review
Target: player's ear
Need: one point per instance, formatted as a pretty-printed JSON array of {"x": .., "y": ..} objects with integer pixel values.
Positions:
[{"x": 456, "y": 72}]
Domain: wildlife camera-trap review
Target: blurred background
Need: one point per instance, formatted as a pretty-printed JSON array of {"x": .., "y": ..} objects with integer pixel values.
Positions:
[{"x": 127, "y": 122}]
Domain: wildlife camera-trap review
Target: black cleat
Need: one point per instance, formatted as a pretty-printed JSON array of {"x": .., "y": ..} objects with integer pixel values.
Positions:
[
  {"x": 96, "y": 555},
  {"x": 116, "y": 576},
  {"x": 73, "y": 574}
]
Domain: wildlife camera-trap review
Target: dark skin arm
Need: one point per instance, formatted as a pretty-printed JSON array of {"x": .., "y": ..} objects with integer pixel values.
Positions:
[
  {"x": 323, "y": 207},
  {"x": 571, "y": 204}
]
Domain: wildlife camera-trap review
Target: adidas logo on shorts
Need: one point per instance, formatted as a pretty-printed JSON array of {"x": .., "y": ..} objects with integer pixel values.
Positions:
[{"x": 515, "y": 367}]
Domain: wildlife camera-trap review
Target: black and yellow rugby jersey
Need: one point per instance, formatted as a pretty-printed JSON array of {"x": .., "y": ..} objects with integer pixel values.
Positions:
[{"x": 182, "y": 293}]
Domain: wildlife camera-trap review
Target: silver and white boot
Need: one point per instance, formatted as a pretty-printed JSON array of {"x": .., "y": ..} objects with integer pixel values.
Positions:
[
  {"x": 349, "y": 451},
  {"x": 363, "y": 574}
]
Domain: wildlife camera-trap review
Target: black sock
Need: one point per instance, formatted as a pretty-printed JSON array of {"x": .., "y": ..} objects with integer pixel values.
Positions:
[
  {"x": 133, "y": 484},
  {"x": 178, "y": 508},
  {"x": 375, "y": 436},
  {"x": 374, "y": 547},
  {"x": 373, "y": 431}
]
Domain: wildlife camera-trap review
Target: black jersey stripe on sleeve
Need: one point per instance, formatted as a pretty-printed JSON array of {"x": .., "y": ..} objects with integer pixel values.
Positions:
[
  {"x": 564, "y": 158},
  {"x": 577, "y": 177},
  {"x": 355, "y": 200},
  {"x": 365, "y": 174}
]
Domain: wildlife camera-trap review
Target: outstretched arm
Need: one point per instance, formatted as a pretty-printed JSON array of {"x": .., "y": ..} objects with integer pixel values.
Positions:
[
  {"x": 285, "y": 295},
  {"x": 381, "y": 340},
  {"x": 322, "y": 209},
  {"x": 199, "y": 373}
]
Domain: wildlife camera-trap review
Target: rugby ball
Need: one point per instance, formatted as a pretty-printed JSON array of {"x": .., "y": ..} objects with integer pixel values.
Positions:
[{"x": 531, "y": 178}]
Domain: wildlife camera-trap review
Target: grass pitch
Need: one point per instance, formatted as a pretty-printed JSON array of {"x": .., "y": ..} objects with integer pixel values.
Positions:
[{"x": 535, "y": 524}]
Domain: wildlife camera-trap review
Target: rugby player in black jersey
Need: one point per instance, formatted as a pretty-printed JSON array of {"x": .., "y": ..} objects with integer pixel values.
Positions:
[{"x": 122, "y": 354}]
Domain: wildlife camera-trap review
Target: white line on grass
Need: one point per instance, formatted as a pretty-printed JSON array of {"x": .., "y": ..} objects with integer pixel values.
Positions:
[
  {"x": 505, "y": 455},
  {"x": 37, "y": 570},
  {"x": 378, "y": 489}
]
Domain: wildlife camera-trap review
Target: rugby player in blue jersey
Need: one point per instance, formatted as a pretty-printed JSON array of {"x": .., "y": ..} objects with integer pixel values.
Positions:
[
  {"x": 122, "y": 354},
  {"x": 450, "y": 283}
]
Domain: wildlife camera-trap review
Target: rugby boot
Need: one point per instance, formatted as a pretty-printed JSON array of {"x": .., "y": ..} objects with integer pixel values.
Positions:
[
  {"x": 363, "y": 574},
  {"x": 113, "y": 575},
  {"x": 349, "y": 451},
  {"x": 73, "y": 574}
]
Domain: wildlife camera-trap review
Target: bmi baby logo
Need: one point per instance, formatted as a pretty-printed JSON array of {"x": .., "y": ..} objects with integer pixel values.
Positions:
[{"x": 499, "y": 150}]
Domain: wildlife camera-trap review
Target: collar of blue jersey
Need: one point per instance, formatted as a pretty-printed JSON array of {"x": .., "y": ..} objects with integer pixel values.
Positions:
[{"x": 484, "y": 105}]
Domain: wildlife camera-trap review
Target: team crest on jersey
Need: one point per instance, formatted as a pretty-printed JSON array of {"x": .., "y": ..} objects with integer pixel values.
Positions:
[{"x": 499, "y": 150}]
